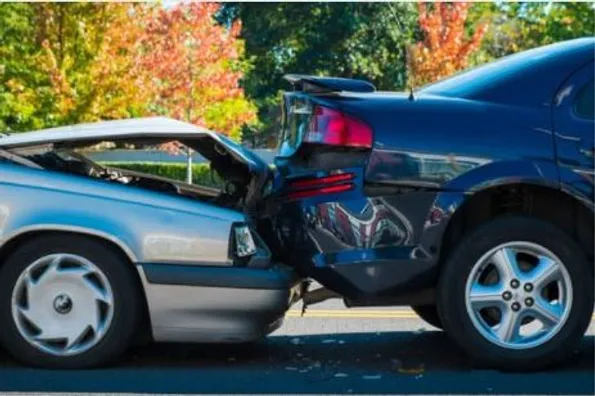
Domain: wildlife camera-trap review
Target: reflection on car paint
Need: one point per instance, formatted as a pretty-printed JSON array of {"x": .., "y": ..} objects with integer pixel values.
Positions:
[
  {"x": 376, "y": 224},
  {"x": 419, "y": 168}
]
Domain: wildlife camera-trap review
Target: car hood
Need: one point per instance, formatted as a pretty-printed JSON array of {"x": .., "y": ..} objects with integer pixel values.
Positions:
[{"x": 138, "y": 128}]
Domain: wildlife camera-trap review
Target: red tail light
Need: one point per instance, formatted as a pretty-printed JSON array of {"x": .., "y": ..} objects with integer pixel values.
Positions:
[
  {"x": 332, "y": 127},
  {"x": 305, "y": 183},
  {"x": 319, "y": 191},
  {"x": 309, "y": 187}
]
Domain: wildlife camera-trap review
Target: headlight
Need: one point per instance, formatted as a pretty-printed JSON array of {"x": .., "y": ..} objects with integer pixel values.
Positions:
[{"x": 245, "y": 245}]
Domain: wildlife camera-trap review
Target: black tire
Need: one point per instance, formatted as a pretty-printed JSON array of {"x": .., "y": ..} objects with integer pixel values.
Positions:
[
  {"x": 429, "y": 314},
  {"x": 126, "y": 297},
  {"x": 452, "y": 283}
]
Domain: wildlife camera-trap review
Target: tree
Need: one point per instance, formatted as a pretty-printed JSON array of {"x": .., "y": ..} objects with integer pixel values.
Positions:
[
  {"x": 67, "y": 63},
  {"x": 23, "y": 86},
  {"x": 519, "y": 26},
  {"x": 358, "y": 40},
  {"x": 446, "y": 47},
  {"x": 196, "y": 67},
  {"x": 64, "y": 63},
  {"x": 89, "y": 51}
]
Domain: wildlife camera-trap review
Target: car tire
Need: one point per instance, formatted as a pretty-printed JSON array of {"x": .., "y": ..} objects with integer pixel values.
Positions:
[
  {"x": 566, "y": 303},
  {"x": 67, "y": 301},
  {"x": 429, "y": 314}
]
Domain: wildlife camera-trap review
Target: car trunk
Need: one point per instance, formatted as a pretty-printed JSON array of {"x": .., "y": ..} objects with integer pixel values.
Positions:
[
  {"x": 320, "y": 163},
  {"x": 331, "y": 224}
]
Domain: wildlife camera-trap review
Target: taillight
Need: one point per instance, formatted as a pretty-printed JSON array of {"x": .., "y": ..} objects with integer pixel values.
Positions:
[
  {"x": 313, "y": 182},
  {"x": 310, "y": 187},
  {"x": 319, "y": 191},
  {"x": 332, "y": 127}
]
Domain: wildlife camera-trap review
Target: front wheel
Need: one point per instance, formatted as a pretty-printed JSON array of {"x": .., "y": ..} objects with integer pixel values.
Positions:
[{"x": 516, "y": 294}]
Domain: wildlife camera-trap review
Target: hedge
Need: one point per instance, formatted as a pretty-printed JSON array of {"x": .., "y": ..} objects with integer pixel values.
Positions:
[{"x": 201, "y": 173}]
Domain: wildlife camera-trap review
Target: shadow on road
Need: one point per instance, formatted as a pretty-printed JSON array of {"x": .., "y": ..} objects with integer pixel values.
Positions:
[{"x": 391, "y": 362}]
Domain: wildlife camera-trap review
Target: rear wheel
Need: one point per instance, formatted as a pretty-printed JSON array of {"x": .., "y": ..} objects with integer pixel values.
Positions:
[
  {"x": 516, "y": 294},
  {"x": 67, "y": 302},
  {"x": 429, "y": 314}
]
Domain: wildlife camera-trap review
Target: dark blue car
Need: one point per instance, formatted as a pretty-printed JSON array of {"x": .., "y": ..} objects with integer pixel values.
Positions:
[{"x": 470, "y": 200}]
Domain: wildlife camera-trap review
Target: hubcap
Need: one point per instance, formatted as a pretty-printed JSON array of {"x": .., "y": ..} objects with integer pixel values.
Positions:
[
  {"x": 62, "y": 304},
  {"x": 518, "y": 295}
]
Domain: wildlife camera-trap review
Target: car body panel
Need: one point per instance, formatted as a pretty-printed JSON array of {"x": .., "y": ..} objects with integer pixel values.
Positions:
[
  {"x": 187, "y": 304},
  {"x": 575, "y": 137},
  {"x": 432, "y": 152},
  {"x": 152, "y": 226}
]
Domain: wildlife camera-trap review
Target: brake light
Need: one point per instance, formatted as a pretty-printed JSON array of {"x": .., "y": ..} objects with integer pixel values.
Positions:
[
  {"x": 305, "y": 183},
  {"x": 332, "y": 127},
  {"x": 319, "y": 191},
  {"x": 310, "y": 187}
]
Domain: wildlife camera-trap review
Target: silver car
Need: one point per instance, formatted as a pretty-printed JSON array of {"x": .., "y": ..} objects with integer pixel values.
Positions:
[{"x": 94, "y": 258}]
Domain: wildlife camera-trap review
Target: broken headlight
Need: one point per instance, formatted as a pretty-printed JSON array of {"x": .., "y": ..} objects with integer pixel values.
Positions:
[{"x": 244, "y": 242}]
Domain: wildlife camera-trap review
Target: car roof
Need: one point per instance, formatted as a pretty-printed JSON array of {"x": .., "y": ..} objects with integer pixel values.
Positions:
[
  {"x": 530, "y": 76},
  {"x": 148, "y": 127}
]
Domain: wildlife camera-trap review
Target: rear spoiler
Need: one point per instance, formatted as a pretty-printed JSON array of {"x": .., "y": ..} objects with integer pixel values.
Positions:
[{"x": 314, "y": 84}]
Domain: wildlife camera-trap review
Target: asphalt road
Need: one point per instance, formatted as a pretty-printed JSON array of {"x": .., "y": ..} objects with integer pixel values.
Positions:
[{"x": 330, "y": 350}]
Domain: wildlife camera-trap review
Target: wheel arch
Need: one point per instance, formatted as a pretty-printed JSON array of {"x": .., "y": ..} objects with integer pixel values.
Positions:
[
  {"x": 547, "y": 202},
  {"x": 10, "y": 241}
]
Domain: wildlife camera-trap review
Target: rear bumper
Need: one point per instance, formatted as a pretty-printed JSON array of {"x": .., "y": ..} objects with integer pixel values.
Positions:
[
  {"x": 216, "y": 304},
  {"x": 365, "y": 249}
]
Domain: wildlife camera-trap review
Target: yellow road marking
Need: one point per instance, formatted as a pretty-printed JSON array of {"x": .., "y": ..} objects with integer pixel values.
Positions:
[
  {"x": 357, "y": 314},
  {"x": 360, "y": 311}
]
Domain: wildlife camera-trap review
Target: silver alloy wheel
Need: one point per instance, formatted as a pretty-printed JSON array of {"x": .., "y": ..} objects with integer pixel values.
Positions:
[
  {"x": 518, "y": 295},
  {"x": 62, "y": 304}
]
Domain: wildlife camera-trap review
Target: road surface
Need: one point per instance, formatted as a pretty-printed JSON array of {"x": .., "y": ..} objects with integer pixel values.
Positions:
[{"x": 330, "y": 350}]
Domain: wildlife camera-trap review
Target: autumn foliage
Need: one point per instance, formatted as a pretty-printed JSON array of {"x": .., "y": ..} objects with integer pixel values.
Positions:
[
  {"x": 446, "y": 46},
  {"x": 195, "y": 68},
  {"x": 92, "y": 67},
  {"x": 96, "y": 61}
]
